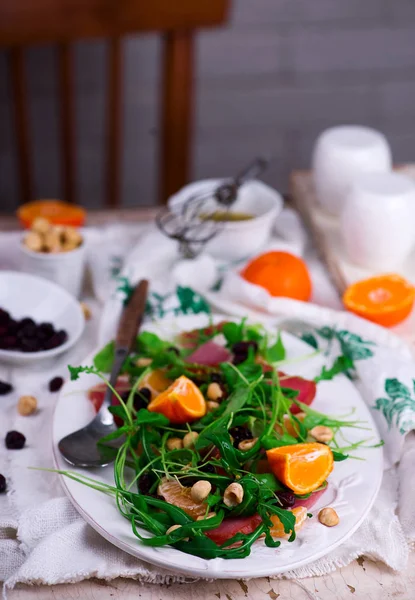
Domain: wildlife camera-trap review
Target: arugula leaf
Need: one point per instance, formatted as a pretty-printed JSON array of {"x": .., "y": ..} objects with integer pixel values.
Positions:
[
  {"x": 276, "y": 352},
  {"x": 233, "y": 332},
  {"x": 145, "y": 417},
  {"x": 117, "y": 411},
  {"x": 271, "y": 441},
  {"x": 104, "y": 359},
  {"x": 237, "y": 400},
  {"x": 76, "y": 371},
  {"x": 342, "y": 364},
  {"x": 339, "y": 456},
  {"x": 150, "y": 344}
]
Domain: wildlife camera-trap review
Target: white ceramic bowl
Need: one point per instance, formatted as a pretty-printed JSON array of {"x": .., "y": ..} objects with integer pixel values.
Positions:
[
  {"x": 238, "y": 239},
  {"x": 342, "y": 153},
  {"x": 24, "y": 295},
  {"x": 64, "y": 268}
]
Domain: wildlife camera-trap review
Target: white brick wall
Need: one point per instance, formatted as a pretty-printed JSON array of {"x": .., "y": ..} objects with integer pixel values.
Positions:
[{"x": 269, "y": 82}]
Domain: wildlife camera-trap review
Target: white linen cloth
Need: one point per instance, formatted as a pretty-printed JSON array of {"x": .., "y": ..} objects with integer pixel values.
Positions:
[{"x": 42, "y": 537}]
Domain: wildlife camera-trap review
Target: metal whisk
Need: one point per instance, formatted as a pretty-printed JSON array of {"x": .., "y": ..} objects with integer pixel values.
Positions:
[{"x": 192, "y": 223}]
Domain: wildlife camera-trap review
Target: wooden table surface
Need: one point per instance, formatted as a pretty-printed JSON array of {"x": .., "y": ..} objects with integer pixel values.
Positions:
[{"x": 361, "y": 580}]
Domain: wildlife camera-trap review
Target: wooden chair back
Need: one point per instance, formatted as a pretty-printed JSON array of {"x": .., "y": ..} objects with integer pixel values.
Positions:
[{"x": 29, "y": 22}]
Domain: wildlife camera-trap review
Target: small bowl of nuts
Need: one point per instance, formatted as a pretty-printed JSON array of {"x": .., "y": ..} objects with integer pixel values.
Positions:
[{"x": 55, "y": 252}]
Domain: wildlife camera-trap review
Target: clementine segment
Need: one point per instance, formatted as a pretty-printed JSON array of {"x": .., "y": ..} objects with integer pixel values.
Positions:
[
  {"x": 156, "y": 381},
  {"x": 277, "y": 530},
  {"x": 55, "y": 211},
  {"x": 386, "y": 300},
  {"x": 180, "y": 496},
  {"x": 281, "y": 274},
  {"x": 301, "y": 467},
  {"x": 181, "y": 402}
]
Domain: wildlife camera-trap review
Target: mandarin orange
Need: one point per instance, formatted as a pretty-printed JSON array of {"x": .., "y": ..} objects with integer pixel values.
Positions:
[
  {"x": 301, "y": 467},
  {"x": 277, "y": 530},
  {"x": 386, "y": 299},
  {"x": 181, "y": 402},
  {"x": 156, "y": 381},
  {"x": 56, "y": 212},
  {"x": 281, "y": 274},
  {"x": 175, "y": 493}
]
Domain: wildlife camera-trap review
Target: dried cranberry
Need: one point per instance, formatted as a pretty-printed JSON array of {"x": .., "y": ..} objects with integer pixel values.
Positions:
[
  {"x": 12, "y": 327},
  {"x": 208, "y": 469},
  {"x": 146, "y": 482},
  {"x": 47, "y": 329},
  {"x": 216, "y": 378},
  {"x": 3, "y": 485},
  {"x": 29, "y": 345},
  {"x": 27, "y": 331},
  {"x": 141, "y": 398},
  {"x": 4, "y": 316},
  {"x": 5, "y": 388},
  {"x": 55, "y": 384},
  {"x": 27, "y": 321},
  {"x": 243, "y": 347},
  {"x": 15, "y": 440},
  {"x": 240, "y": 433},
  {"x": 239, "y": 358},
  {"x": 286, "y": 498},
  {"x": 9, "y": 342}
]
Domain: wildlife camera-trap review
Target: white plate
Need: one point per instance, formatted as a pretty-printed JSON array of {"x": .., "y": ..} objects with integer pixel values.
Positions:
[
  {"x": 24, "y": 295},
  {"x": 353, "y": 485}
]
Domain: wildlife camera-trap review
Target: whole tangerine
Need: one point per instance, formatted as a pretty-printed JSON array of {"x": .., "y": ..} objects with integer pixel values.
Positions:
[{"x": 281, "y": 274}]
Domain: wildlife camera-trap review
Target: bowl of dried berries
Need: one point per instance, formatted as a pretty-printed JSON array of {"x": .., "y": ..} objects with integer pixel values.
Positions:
[
  {"x": 38, "y": 318},
  {"x": 56, "y": 252}
]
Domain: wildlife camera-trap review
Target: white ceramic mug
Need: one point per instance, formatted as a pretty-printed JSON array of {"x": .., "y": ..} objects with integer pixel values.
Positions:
[
  {"x": 342, "y": 153},
  {"x": 377, "y": 223},
  {"x": 64, "y": 268}
]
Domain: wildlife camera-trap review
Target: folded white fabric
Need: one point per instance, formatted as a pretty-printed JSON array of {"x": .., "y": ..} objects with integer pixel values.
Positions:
[{"x": 42, "y": 537}]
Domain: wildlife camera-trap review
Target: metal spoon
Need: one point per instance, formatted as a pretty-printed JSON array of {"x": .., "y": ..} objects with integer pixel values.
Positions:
[{"x": 80, "y": 448}]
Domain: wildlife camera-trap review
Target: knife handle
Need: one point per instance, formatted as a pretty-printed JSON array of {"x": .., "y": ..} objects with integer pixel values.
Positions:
[{"x": 131, "y": 317}]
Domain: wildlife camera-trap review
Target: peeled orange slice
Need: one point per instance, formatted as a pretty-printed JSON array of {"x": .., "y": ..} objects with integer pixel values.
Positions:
[
  {"x": 56, "y": 212},
  {"x": 156, "y": 381},
  {"x": 174, "y": 493},
  {"x": 181, "y": 402},
  {"x": 301, "y": 467},
  {"x": 300, "y": 513},
  {"x": 386, "y": 299}
]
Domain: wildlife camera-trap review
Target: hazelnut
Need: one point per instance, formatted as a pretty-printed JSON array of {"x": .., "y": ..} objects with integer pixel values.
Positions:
[
  {"x": 211, "y": 405},
  {"x": 27, "y": 405},
  {"x": 328, "y": 517},
  {"x": 246, "y": 445},
  {"x": 143, "y": 361},
  {"x": 208, "y": 516},
  {"x": 86, "y": 310},
  {"x": 40, "y": 225},
  {"x": 51, "y": 242},
  {"x": 174, "y": 443},
  {"x": 173, "y": 528},
  {"x": 189, "y": 439},
  {"x": 200, "y": 490},
  {"x": 321, "y": 433},
  {"x": 33, "y": 241},
  {"x": 214, "y": 392},
  {"x": 233, "y": 495},
  {"x": 72, "y": 236}
]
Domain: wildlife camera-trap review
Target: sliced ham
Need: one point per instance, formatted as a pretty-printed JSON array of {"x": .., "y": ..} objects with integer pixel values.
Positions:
[
  {"x": 209, "y": 354},
  {"x": 306, "y": 388}
]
